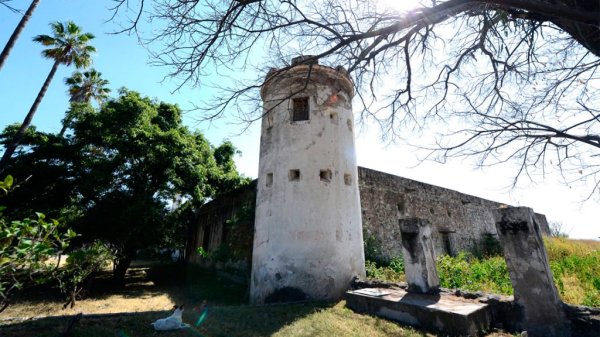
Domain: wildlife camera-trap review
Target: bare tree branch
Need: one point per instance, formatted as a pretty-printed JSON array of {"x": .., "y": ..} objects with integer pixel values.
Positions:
[{"x": 505, "y": 80}]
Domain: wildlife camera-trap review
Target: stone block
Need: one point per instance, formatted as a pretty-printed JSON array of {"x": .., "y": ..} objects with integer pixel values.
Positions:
[
  {"x": 419, "y": 256},
  {"x": 443, "y": 312},
  {"x": 530, "y": 273}
]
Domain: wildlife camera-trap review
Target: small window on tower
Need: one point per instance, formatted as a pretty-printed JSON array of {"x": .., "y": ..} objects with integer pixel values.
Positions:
[
  {"x": 325, "y": 175},
  {"x": 294, "y": 175},
  {"x": 269, "y": 181},
  {"x": 300, "y": 109}
]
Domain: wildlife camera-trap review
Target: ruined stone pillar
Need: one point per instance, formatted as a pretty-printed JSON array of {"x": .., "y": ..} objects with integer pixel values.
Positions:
[
  {"x": 530, "y": 273},
  {"x": 419, "y": 256}
]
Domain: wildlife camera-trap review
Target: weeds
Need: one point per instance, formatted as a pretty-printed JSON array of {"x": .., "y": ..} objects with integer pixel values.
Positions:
[{"x": 575, "y": 266}]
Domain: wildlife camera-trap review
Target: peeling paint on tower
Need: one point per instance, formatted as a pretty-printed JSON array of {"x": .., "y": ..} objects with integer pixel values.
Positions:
[{"x": 308, "y": 232}]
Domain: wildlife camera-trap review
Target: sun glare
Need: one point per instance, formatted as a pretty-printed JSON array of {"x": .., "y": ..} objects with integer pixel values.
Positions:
[{"x": 399, "y": 5}]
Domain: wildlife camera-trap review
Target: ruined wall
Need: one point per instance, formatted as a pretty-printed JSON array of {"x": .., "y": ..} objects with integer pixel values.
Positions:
[
  {"x": 222, "y": 225},
  {"x": 459, "y": 221}
]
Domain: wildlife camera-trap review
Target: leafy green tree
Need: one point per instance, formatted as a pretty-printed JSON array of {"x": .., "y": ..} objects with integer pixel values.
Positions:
[
  {"x": 83, "y": 88},
  {"x": 133, "y": 156},
  {"x": 42, "y": 167},
  {"x": 130, "y": 175},
  {"x": 25, "y": 248},
  {"x": 67, "y": 45}
]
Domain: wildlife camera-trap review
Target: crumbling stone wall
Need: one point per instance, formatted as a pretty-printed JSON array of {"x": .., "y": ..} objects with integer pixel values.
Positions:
[
  {"x": 218, "y": 226},
  {"x": 459, "y": 221}
]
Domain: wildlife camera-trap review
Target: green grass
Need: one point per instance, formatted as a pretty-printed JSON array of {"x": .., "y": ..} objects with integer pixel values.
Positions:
[
  {"x": 307, "y": 319},
  {"x": 575, "y": 266},
  {"x": 228, "y": 315},
  {"x": 474, "y": 274},
  {"x": 576, "y": 269}
]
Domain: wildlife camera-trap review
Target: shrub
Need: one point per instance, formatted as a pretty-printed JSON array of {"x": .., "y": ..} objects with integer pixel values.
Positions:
[
  {"x": 82, "y": 265},
  {"x": 373, "y": 249},
  {"x": 388, "y": 273},
  {"x": 25, "y": 249},
  {"x": 575, "y": 266}
]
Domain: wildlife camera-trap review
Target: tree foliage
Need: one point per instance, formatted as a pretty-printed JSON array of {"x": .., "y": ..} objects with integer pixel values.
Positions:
[
  {"x": 81, "y": 266},
  {"x": 134, "y": 157},
  {"x": 129, "y": 173},
  {"x": 25, "y": 249},
  {"x": 499, "y": 80},
  {"x": 67, "y": 45}
]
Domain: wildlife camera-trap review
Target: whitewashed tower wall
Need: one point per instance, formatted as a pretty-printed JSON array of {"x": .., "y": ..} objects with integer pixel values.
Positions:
[{"x": 308, "y": 231}]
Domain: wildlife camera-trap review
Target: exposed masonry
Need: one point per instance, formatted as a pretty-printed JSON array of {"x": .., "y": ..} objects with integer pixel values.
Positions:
[{"x": 459, "y": 221}]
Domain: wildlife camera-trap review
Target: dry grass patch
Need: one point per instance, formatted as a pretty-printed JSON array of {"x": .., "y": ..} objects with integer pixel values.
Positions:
[{"x": 150, "y": 291}]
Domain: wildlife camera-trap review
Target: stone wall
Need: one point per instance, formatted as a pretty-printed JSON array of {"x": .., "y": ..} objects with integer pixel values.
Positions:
[
  {"x": 459, "y": 221},
  {"x": 222, "y": 226}
]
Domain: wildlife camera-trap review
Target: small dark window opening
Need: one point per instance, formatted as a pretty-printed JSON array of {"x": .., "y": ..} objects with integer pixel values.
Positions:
[
  {"x": 206, "y": 237},
  {"x": 269, "y": 181},
  {"x": 325, "y": 175},
  {"x": 447, "y": 244},
  {"x": 294, "y": 175},
  {"x": 402, "y": 205},
  {"x": 300, "y": 112}
]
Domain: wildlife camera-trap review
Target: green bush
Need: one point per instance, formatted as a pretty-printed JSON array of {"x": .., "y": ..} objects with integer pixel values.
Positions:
[
  {"x": 470, "y": 273},
  {"x": 576, "y": 269},
  {"x": 384, "y": 273},
  {"x": 373, "y": 249},
  {"x": 82, "y": 264},
  {"x": 25, "y": 249},
  {"x": 575, "y": 266}
]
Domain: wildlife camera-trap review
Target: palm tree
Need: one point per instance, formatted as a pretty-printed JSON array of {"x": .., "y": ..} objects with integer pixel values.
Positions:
[
  {"x": 83, "y": 87},
  {"x": 67, "y": 46},
  {"x": 15, "y": 35},
  {"x": 87, "y": 85}
]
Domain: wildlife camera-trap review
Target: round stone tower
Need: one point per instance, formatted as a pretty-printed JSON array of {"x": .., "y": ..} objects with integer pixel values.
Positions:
[{"x": 308, "y": 240}]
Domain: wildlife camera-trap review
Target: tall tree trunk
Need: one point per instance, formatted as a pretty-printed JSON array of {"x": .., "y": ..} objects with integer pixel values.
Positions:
[
  {"x": 66, "y": 123},
  {"x": 10, "y": 149},
  {"x": 121, "y": 268},
  {"x": 15, "y": 35}
]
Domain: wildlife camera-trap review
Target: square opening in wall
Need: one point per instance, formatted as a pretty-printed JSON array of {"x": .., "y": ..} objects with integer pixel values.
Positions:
[
  {"x": 333, "y": 117},
  {"x": 325, "y": 175},
  {"x": 269, "y": 180},
  {"x": 294, "y": 175},
  {"x": 300, "y": 109},
  {"x": 347, "y": 179}
]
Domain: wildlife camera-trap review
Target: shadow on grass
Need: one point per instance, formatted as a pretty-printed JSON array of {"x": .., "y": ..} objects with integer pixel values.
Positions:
[
  {"x": 183, "y": 284},
  {"x": 190, "y": 285},
  {"x": 228, "y": 313},
  {"x": 230, "y": 321}
]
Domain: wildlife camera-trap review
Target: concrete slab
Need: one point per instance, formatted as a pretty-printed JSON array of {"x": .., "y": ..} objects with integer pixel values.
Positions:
[{"x": 441, "y": 312}]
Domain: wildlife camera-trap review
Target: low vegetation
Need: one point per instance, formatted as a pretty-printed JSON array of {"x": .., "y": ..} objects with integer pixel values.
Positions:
[
  {"x": 575, "y": 265},
  {"x": 149, "y": 292}
]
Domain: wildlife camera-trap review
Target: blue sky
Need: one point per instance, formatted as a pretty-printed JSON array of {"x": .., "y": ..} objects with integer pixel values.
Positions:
[
  {"x": 124, "y": 63},
  {"x": 119, "y": 58}
]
